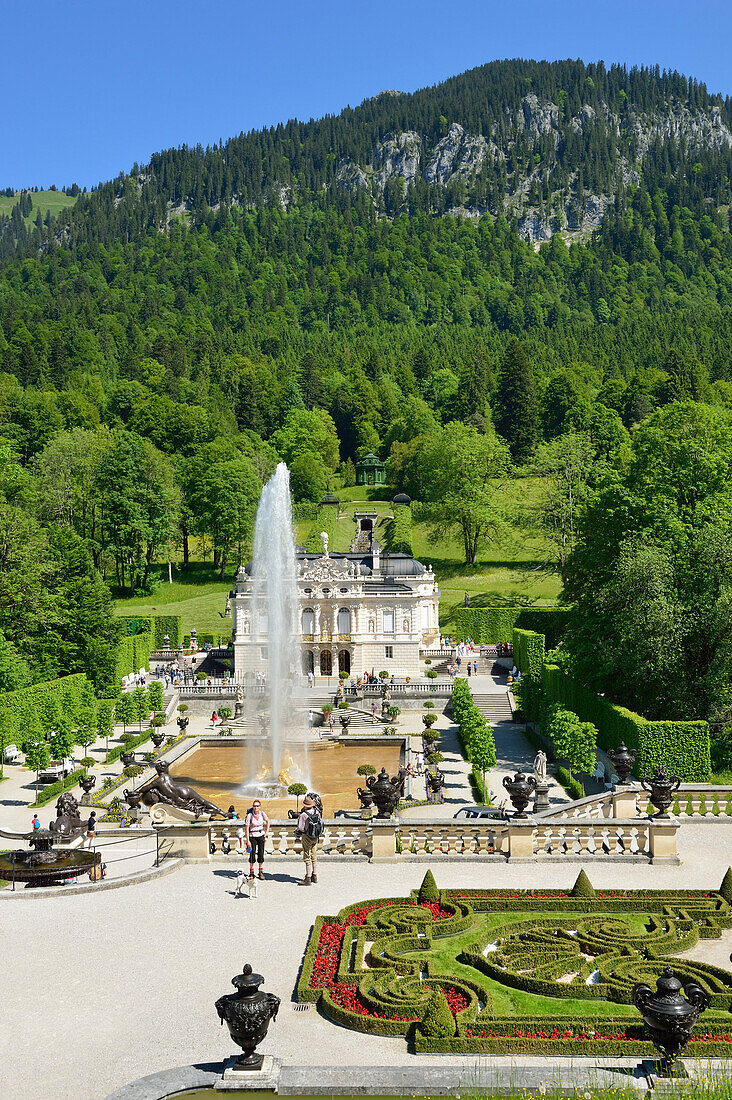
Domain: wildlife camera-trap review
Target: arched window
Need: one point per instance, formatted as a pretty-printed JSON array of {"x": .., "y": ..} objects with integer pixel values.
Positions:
[
  {"x": 308, "y": 621},
  {"x": 344, "y": 621}
]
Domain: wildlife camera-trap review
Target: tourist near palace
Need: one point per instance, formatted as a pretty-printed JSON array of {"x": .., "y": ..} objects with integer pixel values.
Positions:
[{"x": 359, "y": 612}]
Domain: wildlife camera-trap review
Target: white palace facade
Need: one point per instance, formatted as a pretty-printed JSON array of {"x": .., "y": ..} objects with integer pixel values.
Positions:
[{"x": 362, "y": 611}]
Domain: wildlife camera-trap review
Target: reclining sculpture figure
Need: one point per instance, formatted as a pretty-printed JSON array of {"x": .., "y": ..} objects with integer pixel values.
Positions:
[{"x": 161, "y": 788}]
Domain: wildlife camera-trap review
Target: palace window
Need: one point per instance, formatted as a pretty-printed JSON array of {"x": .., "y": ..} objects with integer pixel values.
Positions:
[
  {"x": 344, "y": 621},
  {"x": 388, "y": 622},
  {"x": 308, "y": 621},
  {"x": 389, "y": 652}
]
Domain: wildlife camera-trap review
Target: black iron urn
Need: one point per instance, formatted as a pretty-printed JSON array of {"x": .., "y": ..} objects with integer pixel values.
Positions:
[
  {"x": 385, "y": 792},
  {"x": 86, "y": 783},
  {"x": 365, "y": 797},
  {"x": 182, "y": 722},
  {"x": 520, "y": 790},
  {"x": 127, "y": 758},
  {"x": 435, "y": 783},
  {"x": 661, "y": 788},
  {"x": 622, "y": 760},
  {"x": 248, "y": 1013},
  {"x": 345, "y": 721},
  {"x": 668, "y": 1016},
  {"x": 157, "y": 739}
]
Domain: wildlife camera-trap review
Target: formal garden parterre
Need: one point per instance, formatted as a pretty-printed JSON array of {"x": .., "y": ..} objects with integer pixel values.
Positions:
[{"x": 516, "y": 971}]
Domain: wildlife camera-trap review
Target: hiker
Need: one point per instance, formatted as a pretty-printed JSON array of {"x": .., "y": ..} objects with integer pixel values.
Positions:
[
  {"x": 257, "y": 830},
  {"x": 310, "y": 829}
]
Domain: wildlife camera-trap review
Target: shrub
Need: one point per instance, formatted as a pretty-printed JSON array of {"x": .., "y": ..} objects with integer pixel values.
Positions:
[
  {"x": 428, "y": 890},
  {"x": 431, "y": 674},
  {"x": 571, "y": 786},
  {"x": 583, "y": 888},
  {"x": 342, "y": 676},
  {"x": 344, "y": 705},
  {"x": 53, "y": 790},
  {"x": 429, "y": 720},
  {"x": 87, "y": 762},
  {"x": 225, "y": 712},
  {"x": 438, "y": 1022},
  {"x": 428, "y": 660},
  {"x": 182, "y": 708},
  {"x": 128, "y": 738},
  {"x": 383, "y": 675},
  {"x": 428, "y": 705},
  {"x": 365, "y": 769},
  {"x": 435, "y": 758},
  {"x": 393, "y": 712},
  {"x": 133, "y": 770},
  {"x": 200, "y": 676},
  {"x": 148, "y": 757}
]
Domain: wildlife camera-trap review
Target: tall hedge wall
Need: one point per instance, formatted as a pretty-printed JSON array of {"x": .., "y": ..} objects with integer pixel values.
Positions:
[
  {"x": 144, "y": 634},
  {"x": 528, "y": 656},
  {"x": 35, "y": 709},
  {"x": 399, "y": 531},
  {"x": 682, "y": 748},
  {"x": 496, "y": 624}
]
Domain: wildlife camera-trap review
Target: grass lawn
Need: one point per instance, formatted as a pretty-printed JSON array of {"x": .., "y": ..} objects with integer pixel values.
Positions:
[
  {"x": 515, "y": 568},
  {"x": 43, "y": 200}
]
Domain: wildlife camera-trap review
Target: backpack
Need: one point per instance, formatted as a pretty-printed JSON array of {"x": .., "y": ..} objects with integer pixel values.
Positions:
[{"x": 314, "y": 826}]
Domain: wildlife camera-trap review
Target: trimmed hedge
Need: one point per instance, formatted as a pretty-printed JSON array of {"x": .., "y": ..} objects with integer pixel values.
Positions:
[
  {"x": 496, "y": 624},
  {"x": 54, "y": 789},
  {"x": 34, "y": 710},
  {"x": 399, "y": 531},
  {"x": 528, "y": 656},
  {"x": 326, "y": 520},
  {"x": 129, "y": 746},
  {"x": 571, "y": 785},
  {"x": 682, "y": 748}
]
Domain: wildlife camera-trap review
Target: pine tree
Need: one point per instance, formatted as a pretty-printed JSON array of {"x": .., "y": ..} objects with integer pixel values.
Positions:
[{"x": 517, "y": 406}]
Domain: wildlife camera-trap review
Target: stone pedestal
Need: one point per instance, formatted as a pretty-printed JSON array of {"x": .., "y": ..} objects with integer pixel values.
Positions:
[
  {"x": 662, "y": 840},
  {"x": 541, "y": 797},
  {"x": 185, "y": 841},
  {"x": 520, "y": 841},
  {"x": 262, "y": 1079},
  {"x": 383, "y": 843},
  {"x": 624, "y": 801}
]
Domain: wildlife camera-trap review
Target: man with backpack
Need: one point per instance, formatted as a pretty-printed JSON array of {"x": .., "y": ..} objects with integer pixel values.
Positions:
[{"x": 310, "y": 829}]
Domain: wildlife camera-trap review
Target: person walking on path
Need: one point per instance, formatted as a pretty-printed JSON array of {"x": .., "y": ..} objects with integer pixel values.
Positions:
[
  {"x": 374, "y": 710},
  {"x": 35, "y": 823},
  {"x": 310, "y": 828},
  {"x": 91, "y": 829},
  {"x": 311, "y": 679},
  {"x": 310, "y": 720},
  {"x": 257, "y": 830}
]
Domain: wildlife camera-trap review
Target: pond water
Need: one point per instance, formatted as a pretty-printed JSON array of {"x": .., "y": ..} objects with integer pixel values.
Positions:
[{"x": 218, "y": 771}]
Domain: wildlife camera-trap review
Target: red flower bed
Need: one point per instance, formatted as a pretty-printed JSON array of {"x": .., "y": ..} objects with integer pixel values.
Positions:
[
  {"x": 554, "y": 1034},
  {"x": 328, "y": 952}
]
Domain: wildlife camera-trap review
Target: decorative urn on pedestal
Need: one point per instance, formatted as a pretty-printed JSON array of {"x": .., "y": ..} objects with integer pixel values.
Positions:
[
  {"x": 668, "y": 1016},
  {"x": 248, "y": 1013},
  {"x": 622, "y": 760},
  {"x": 86, "y": 783},
  {"x": 520, "y": 790},
  {"x": 157, "y": 739},
  {"x": 345, "y": 721},
  {"x": 435, "y": 783},
  {"x": 182, "y": 722},
  {"x": 384, "y": 791},
  {"x": 365, "y": 798},
  {"x": 661, "y": 789},
  {"x": 127, "y": 758}
]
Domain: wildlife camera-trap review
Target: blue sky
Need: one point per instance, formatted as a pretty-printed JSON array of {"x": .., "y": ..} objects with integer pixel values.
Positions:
[{"x": 91, "y": 86}]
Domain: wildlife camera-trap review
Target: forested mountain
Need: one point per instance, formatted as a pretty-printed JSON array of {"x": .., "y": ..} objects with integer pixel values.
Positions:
[{"x": 366, "y": 281}]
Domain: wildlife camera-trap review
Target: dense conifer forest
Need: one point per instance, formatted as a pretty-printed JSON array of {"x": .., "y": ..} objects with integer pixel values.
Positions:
[{"x": 177, "y": 330}]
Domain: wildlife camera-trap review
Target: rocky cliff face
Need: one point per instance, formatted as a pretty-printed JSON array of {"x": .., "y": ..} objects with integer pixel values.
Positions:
[{"x": 521, "y": 153}]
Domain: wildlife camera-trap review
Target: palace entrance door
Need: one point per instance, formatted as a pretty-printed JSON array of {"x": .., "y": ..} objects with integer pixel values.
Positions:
[{"x": 326, "y": 663}]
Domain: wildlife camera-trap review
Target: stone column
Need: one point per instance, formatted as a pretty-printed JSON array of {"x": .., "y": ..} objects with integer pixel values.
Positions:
[
  {"x": 624, "y": 801},
  {"x": 383, "y": 842},
  {"x": 541, "y": 798},
  {"x": 316, "y": 609},
  {"x": 662, "y": 840},
  {"x": 520, "y": 841}
]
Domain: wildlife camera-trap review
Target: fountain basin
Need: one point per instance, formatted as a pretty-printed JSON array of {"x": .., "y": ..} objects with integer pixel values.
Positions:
[{"x": 36, "y": 869}]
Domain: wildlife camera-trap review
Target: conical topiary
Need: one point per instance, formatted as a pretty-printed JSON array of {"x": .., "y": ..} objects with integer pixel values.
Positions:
[
  {"x": 438, "y": 1021},
  {"x": 428, "y": 890},
  {"x": 583, "y": 888},
  {"x": 726, "y": 888}
]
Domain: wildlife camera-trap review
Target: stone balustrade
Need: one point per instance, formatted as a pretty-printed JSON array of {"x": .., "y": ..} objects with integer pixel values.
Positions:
[
  {"x": 388, "y": 841},
  {"x": 702, "y": 800}
]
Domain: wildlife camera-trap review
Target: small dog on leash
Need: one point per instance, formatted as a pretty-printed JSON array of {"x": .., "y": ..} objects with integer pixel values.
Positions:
[{"x": 241, "y": 878}]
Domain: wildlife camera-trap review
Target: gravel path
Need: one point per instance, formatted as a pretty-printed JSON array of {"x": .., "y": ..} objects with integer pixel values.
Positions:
[{"x": 100, "y": 989}]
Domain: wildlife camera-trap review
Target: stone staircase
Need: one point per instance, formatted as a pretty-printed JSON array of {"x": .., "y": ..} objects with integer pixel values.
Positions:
[{"x": 495, "y": 706}]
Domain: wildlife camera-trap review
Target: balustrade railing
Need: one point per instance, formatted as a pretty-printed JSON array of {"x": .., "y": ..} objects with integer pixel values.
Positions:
[
  {"x": 516, "y": 840},
  {"x": 706, "y": 800}
]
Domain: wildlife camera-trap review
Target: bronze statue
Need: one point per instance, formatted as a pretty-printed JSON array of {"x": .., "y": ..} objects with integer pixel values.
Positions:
[
  {"x": 161, "y": 788},
  {"x": 68, "y": 822}
]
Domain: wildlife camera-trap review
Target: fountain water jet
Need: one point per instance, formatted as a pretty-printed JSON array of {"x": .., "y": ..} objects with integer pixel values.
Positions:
[{"x": 276, "y": 610}]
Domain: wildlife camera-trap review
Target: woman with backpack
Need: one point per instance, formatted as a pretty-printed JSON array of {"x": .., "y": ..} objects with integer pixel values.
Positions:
[
  {"x": 310, "y": 829},
  {"x": 256, "y": 827}
]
